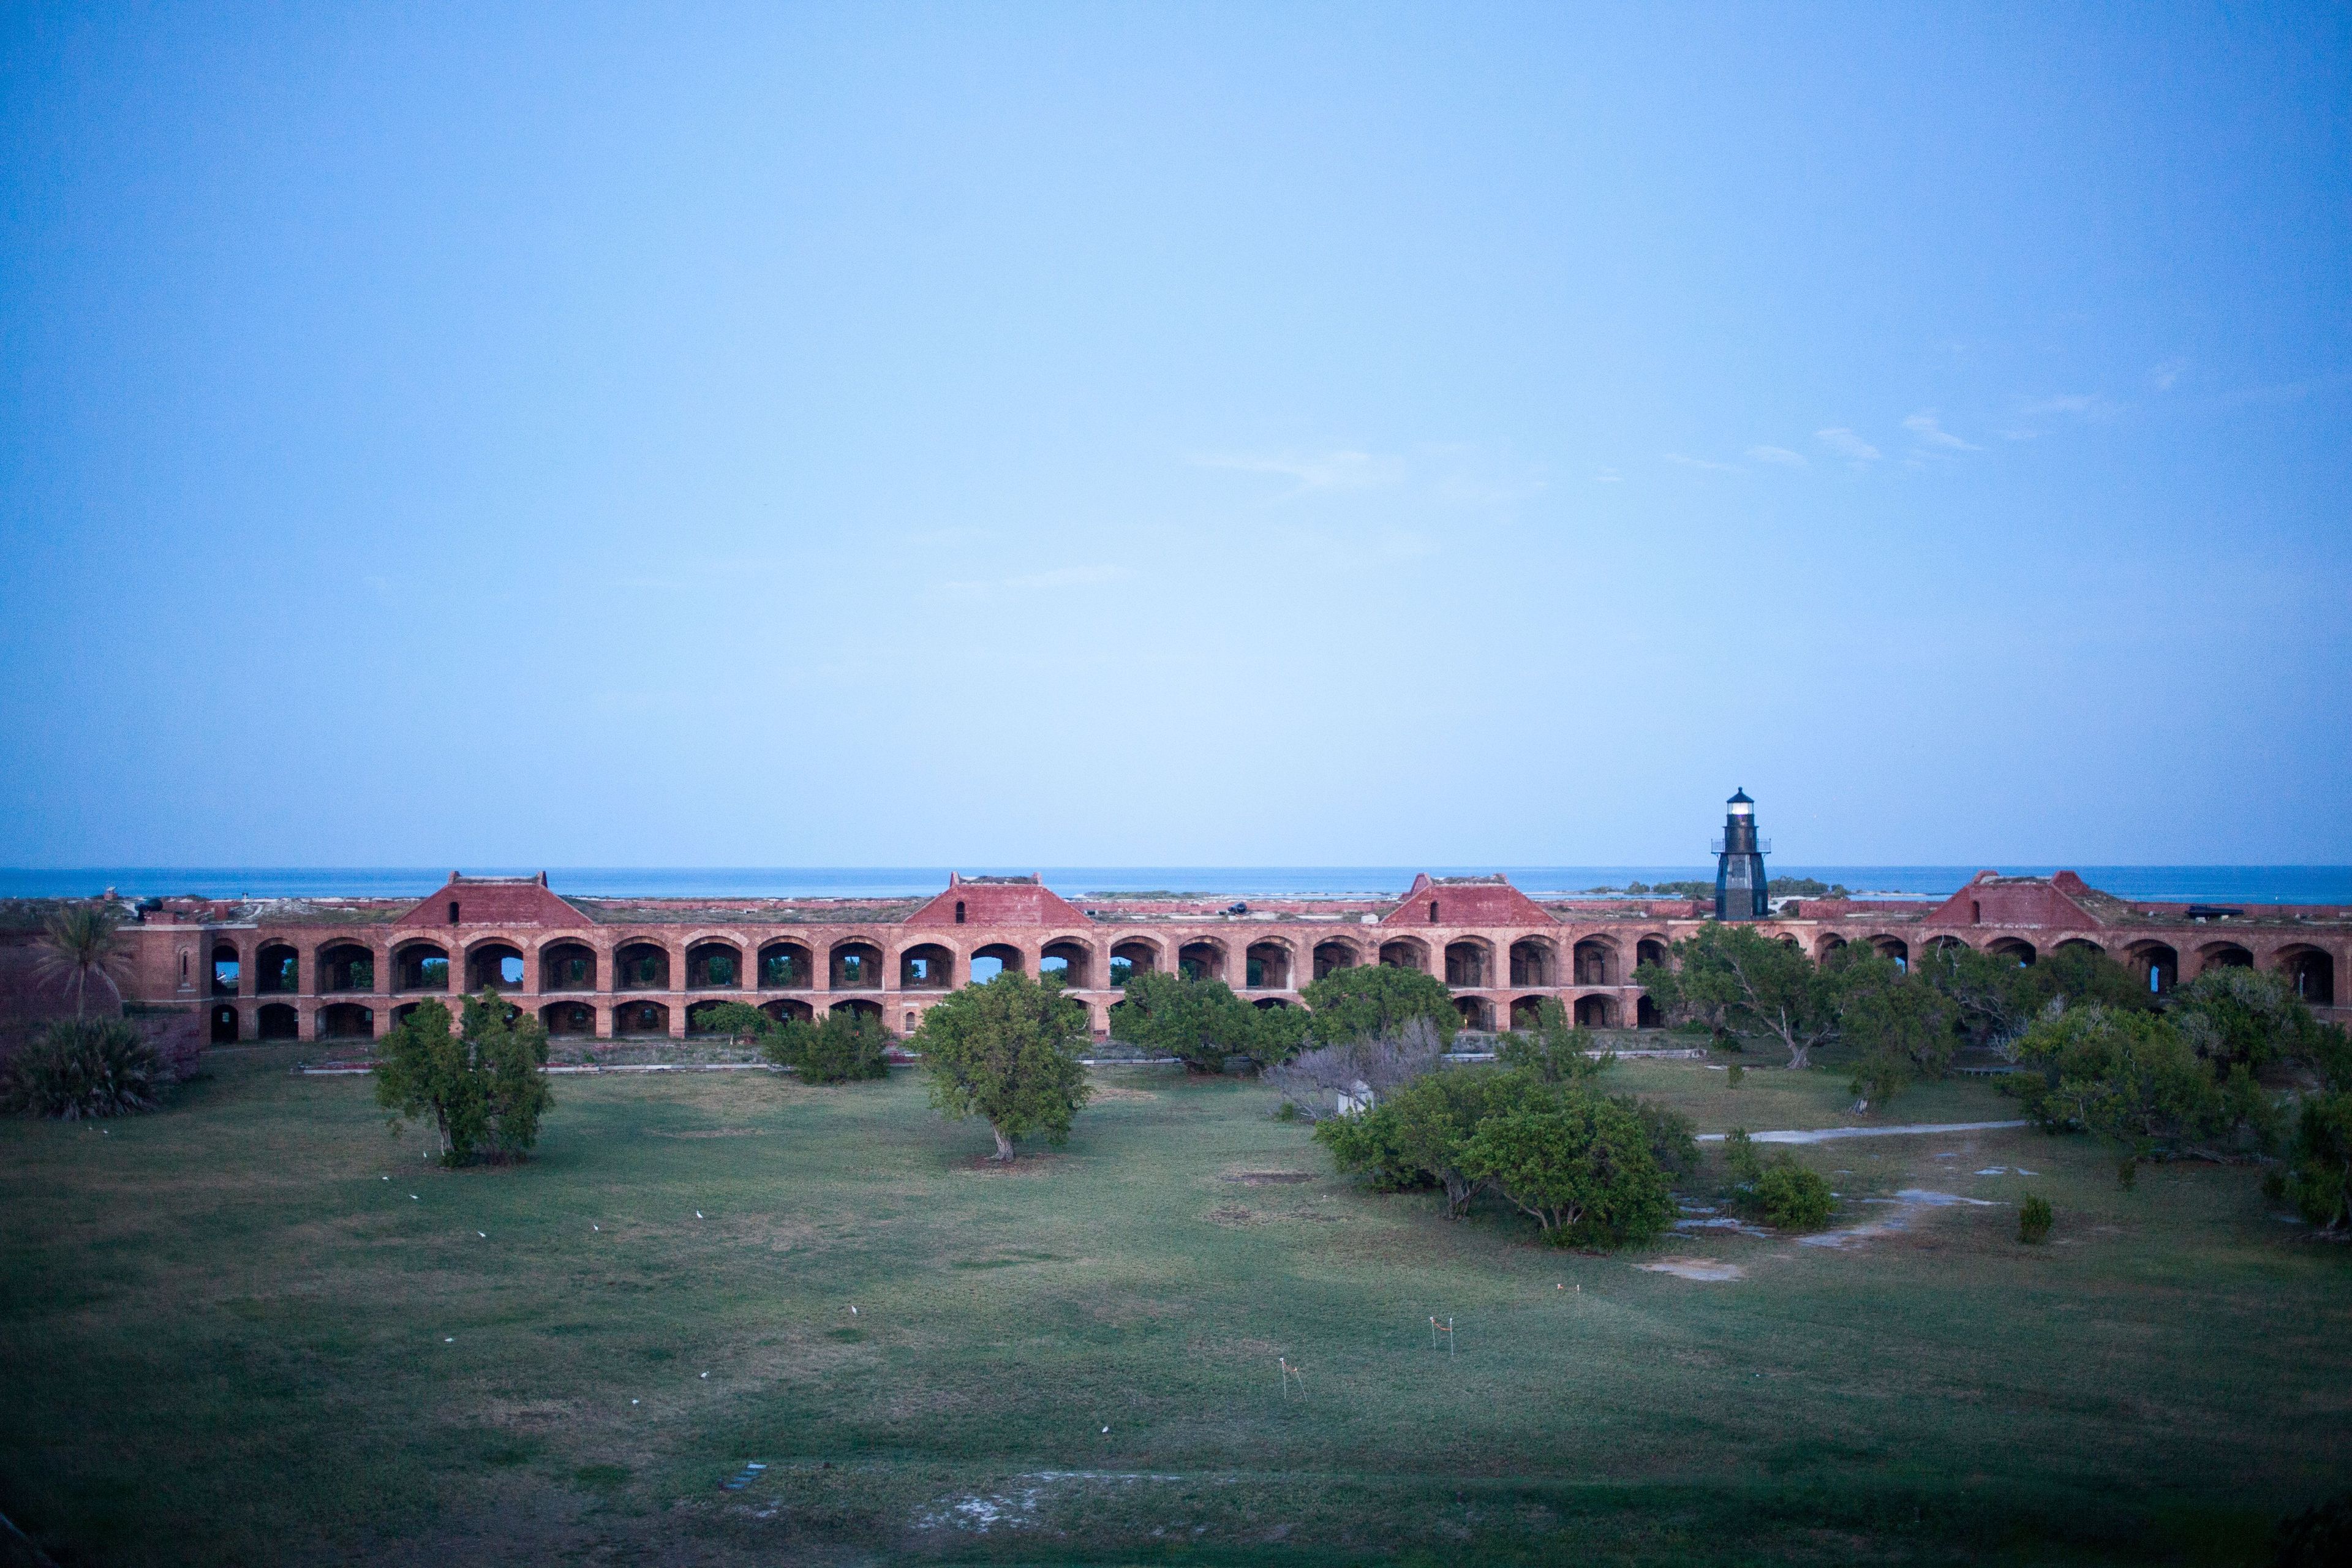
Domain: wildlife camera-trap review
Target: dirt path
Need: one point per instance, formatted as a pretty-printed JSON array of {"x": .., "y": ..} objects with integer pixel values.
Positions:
[{"x": 1825, "y": 1134}]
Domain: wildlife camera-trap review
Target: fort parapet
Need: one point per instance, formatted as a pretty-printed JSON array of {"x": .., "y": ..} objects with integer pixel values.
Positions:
[{"x": 613, "y": 968}]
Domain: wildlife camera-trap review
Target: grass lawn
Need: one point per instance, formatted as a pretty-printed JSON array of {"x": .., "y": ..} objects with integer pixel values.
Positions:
[{"x": 227, "y": 1338}]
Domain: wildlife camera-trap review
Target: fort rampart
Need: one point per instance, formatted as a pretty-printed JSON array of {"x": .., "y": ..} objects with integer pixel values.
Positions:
[{"x": 607, "y": 968}]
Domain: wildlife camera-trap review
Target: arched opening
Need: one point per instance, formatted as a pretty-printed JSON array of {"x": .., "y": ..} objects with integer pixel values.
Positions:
[
  {"x": 420, "y": 966},
  {"x": 786, "y": 966},
  {"x": 912, "y": 1022},
  {"x": 789, "y": 1012},
  {"x": 1404, "y": 953},
  {"x": 1478, "y": 1014},
  {"x": 573, "y": 1018},
  {"x": 1533, "y": 963},
  {"x": 928, "y": 967},
  {"x": 1596, "y": 1012},
  {"x": 2079, "y": 944},
  {"x": 1465, "y": 964},
  {"x": 2015, "y": 949},
  {"x": 1527, "y": 1012},
  {"x": 1129, "y": 959},
  {"x": 278, "y": 1022},
  {"x": 567, "y": 966},
  {"x": 1896, "y": 948},
  {"x": 714, "y": 966},
  {"x": 2224, "y": 955},
  {"x": 226, "y": 969},
  {"x": 856, "y": 966},
  {"x": 1264, "y": 1002},
  {"x": 1074, "y": 959},
  {"x": 2158, "y": 965},
  {"x": 1937, "y": 944},
  {"x": 993, "y": 960},
  {"x": 642, "y": 966},
  {"x": 1645, "y": 1013},
  {"x": 1331, "y": 956},
  {"x": 2311, "y": 973},
  {"x": 346, "y": 1021},
  {"x": 640, "y": 1020},
  {"x": 276, "y": 970},
  {"x": 346, "y": 966},
  {"x": 400, "y": 1014},
  {"x": 1596, "y": 963},
  {"x": 224, "y": 1025},
  {"x": 1201, "y": 960},
  {"x": 859, "y": 1008},
  {"x": 1266, "y": 966},
  {"x": 1653, "y": 950},
  {"x": 494, "y": 966},
  {"x": 1830, "y": 942}
]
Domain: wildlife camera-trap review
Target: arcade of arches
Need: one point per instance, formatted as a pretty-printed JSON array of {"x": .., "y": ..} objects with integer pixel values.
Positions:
[{"x": 593, "y": 969}]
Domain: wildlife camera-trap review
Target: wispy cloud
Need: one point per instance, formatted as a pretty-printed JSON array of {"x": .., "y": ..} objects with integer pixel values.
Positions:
[
  {"x": 1781, "y": 455},
  {"x": 1846, "y": 443},
  {"x": 2164, "y": 376},
  {"x": 1709, "y": 464},
  {"x": 1924, "y": 425},
  {"x": 1607, "y": 477},
  {"x": 1058, "y": 580},
  {"x": 1340, "y": 470}
]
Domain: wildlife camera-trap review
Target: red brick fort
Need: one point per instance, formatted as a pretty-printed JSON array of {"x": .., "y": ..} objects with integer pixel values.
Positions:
[{"x": 612, "y": 968}]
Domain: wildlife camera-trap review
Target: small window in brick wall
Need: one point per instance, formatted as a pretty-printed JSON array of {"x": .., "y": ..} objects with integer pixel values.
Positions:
[
  {"x": 453, "y": 912},
  {"x": 1433, "y": 911},
  {"x": 959, "y": 912}
]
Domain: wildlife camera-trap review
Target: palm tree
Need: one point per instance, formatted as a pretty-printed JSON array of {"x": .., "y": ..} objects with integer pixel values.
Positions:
[{"x": 80, "y": 942}]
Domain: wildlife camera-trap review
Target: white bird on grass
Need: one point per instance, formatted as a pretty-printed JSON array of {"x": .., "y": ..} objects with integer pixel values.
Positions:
[
  {"x": 706, "y": 1375},
  {"x": 483, "y": 1234}
]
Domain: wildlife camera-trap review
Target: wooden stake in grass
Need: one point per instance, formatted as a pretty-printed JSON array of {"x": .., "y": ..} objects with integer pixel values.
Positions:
[
  {"x": 1288, "y": 1372},
  {"x": 1435, "y": 1329}
]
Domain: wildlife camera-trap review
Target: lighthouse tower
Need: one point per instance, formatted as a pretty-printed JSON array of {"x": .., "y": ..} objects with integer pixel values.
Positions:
[{"x": 1739, "y": 864}]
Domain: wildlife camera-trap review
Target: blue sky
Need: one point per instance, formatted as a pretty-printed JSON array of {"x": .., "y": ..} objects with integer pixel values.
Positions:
[{"x": 1119, "y": 435}]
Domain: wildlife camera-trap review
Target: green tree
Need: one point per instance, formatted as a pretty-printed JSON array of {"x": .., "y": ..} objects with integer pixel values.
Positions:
[
  {"x": 81, "y": 944},
  {"x": 739, "y": 1021},
  {"x": 1554, "y": 1050},
  {"x": 1373, "y": 1001},
  {"x": 1199, "y": 1021},
  {"x": 484, "y": 1088},
  {"x": 2132, "y": 1080},
  {"x": 2243, "y": 1018},
  {"x": 1735, "y": 978},
  {"x": 1008, "y": 1052},
  {"x": 1577, "y": 1162},
  {"x": 1422, "y": 1129},
  {"x": 2318, "y": 1175},
  {"x": 844, "y": 1047},
  {"x": 1898, "y": 1027}
]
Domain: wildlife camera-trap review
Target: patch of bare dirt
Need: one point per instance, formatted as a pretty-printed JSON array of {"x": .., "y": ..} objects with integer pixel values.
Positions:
[{"x": 1708, "y": 1270}]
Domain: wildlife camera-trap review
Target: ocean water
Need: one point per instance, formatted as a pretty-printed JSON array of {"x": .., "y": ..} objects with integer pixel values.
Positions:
[{"x": 2203, "y": 884}]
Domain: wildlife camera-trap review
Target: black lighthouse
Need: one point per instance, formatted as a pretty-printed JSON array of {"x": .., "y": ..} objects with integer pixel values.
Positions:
[{"x": 1740, "y": 887}]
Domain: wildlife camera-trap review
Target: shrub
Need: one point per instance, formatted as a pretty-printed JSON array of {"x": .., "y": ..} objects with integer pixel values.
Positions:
[
  {"x": 1553, "y": 1050},
  {"x": 1783, "y": 1192},
  {"x": 1577, "y": 1162},
  {"x": 81, "y": 1068},
  {"x": 2318, "y": 1175},
  {"x": 1199, "y": 1021},
  {"x": 1792, "y": 1198},
  {"x": 1734, "y": 1076},
  {"x": 2034, "y": 1220},
  {"x": 841, "y": 1049}
]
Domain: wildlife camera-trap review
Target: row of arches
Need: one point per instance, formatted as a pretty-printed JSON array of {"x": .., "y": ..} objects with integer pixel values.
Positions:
[
  {"x": 2310, "y": 971},
  {"x": 425, "y": 965}
]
